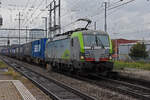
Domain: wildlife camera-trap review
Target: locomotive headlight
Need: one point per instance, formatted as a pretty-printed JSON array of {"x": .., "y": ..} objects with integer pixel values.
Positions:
[
  {"x": 82, "y": 57},
  {"x": 110, "y": 57}
]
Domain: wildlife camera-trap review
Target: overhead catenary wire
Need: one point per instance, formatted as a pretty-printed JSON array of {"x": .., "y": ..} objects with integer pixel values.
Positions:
[
  {"x": 42, "y": 12},
  {"x": 32, "y": 5},
  {"x": 101, "y": 13},
  {"x": 26, "y": 5},
  {"x": 114, "y": 7},
  {"x": 31, "y": 17},
  {"x": 100, "y": 9},
  {"x": 121, "y": 4},
  {"x": 38, "y": 14},
  {"x": 33, "y": 13}
]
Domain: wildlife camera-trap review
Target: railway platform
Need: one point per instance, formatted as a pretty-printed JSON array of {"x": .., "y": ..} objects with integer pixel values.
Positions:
[
  {"x": 14, "y": 90},
  {"x": 14, "y": 86},
  {"x": 135, "y": 73}
]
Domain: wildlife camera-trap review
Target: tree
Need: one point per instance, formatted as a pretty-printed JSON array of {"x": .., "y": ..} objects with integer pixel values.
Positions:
[{"x": 138, "y": 51}]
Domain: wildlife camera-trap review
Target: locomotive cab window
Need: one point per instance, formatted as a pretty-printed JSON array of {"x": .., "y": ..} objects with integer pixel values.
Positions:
[
  {"x": 96, "y": 40},
  {"x": 89, "y": 40},
  {"x": 103, "y": 40}
]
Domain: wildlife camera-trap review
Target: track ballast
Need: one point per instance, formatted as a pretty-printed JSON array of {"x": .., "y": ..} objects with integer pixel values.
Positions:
[{"x": 53, "y": 88}]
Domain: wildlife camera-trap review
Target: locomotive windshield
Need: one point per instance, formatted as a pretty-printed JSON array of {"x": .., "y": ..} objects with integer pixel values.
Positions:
[
  {"x": 89, "y": 40},
  {"x": 103, "y": 40},
  {"x": 96, "y": 40}
]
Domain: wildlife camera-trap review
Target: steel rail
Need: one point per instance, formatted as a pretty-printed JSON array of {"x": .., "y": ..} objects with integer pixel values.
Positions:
[
  {"x": 138, "y": 81},
  {"x": 56, "y": 90},
  {"x": 131, "y": 89},
  {"x": 134, "y": 90},
  {"x": 128, "y": 88}
]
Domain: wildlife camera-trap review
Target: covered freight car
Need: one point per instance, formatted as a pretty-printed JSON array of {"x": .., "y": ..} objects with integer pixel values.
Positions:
[
  {"x": 27, "y": 53},
  {"x": 38, "y": 50},
  {"x": 12, "y": 51},
  {"x": 4, "y": 51},
  {"x": 19, "y": 52}
]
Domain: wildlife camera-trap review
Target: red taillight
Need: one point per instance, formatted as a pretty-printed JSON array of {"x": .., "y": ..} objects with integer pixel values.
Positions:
[
  {"x": 89, "y": 59},
  {"x": 103, "y": 59}
]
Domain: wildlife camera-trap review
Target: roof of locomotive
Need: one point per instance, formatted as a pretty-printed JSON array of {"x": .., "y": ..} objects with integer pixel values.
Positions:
[
  {"x": 93, "y": 32},
  {"x": 64, "y": 36}
]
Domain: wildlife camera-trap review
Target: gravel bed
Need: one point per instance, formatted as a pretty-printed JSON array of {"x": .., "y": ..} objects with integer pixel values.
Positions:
[
  {"x": 36, "y": 92},
  {"x": 91, "y": 89},
  {"x": 135, "y": 73}
]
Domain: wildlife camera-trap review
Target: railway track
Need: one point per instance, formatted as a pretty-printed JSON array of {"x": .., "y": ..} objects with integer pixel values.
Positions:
[
  {"x": 137, "y": 91},
  {"x": 53, "y": 88},
  {"x": 124, "y": 86},
  {"x": 142, "y": 82},
  {"x": 132, "y": 89}
]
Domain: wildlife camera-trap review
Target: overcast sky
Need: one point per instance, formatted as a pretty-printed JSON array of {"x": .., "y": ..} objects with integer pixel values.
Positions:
[{"x": 131, "y": 21}]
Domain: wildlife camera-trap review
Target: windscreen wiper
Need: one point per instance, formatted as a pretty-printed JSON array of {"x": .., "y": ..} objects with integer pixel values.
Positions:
[{"x": 98, "y": 40}]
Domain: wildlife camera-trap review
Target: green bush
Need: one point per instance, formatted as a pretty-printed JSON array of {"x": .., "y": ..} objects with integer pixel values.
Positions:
[
  {"x": 138, "y": 51},
  {"x": 139, "y": 65}
]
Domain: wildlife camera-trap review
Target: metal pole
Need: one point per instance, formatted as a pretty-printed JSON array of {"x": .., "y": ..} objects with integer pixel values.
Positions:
[
  {"x": 53, "y": 24},
  {"x": 50, "y": 19},
  {"x": 105, "y": 16},
  {"x": 54, "y": 13},
  {"x": 95, "y": 26},
  {"x": 54, "y": 32},
  {"x": 116, "y": 50},
  {"x": 45, "y": 26},
  {"x": 8, "y": 41},
  {"x": 19, "y": 32},
  {"x": 26, "y": 34},
  {"x": 59, "y": 16}
]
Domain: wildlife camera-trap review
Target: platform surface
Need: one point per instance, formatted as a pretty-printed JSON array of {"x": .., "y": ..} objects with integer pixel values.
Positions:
[
  {"x": 135, "y": 73},
  {"x": 14, "y": 90}
]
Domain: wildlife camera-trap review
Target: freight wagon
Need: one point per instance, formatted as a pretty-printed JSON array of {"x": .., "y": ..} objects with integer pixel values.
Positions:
[
  {"x": 38, "y": 51},
  {"x": 27, "y": 53},
  {"x": 12, "y": 51}
]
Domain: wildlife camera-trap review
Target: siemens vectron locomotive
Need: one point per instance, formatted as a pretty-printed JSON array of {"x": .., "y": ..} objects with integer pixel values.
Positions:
[{"x": 80, "y": 50}]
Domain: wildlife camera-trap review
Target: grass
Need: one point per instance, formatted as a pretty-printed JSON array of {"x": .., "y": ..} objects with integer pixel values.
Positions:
[
  {"x": 138, "y": 65},
  {"x": 10, "y": 72},
  {"x": 3, "y": 65},
  {"x": 13, "y": 73}
]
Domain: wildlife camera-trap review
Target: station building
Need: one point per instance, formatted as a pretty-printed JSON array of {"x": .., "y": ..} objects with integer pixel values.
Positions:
[
  {"x": 117, "y": 43},
  {"x": 122, "y": 48}
]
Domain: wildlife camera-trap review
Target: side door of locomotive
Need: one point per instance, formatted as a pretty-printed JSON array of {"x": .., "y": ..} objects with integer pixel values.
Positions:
[{"x": 75, "y": 49}]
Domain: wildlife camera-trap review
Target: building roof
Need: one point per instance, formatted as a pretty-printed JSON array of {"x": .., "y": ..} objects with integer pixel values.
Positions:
[{"x": 124, "y": 41}]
